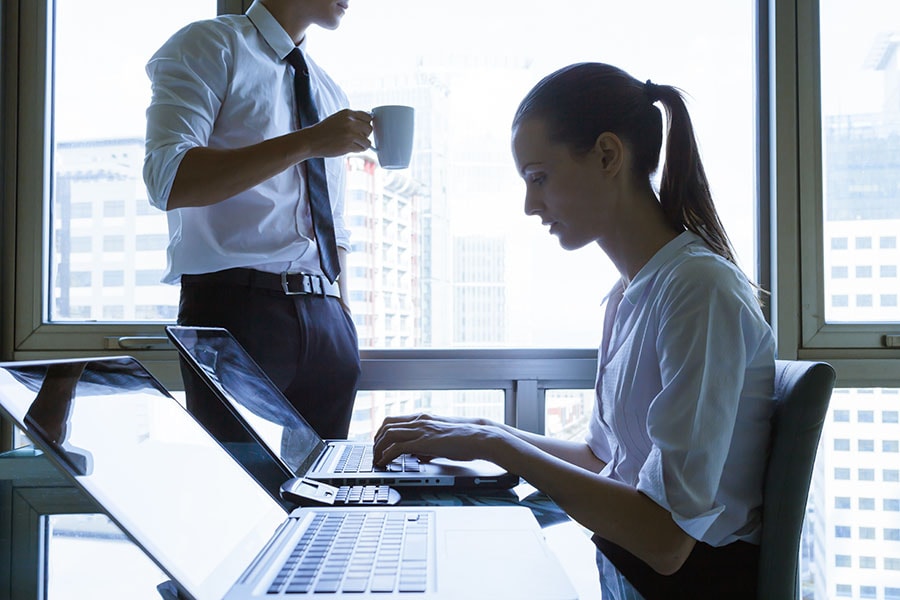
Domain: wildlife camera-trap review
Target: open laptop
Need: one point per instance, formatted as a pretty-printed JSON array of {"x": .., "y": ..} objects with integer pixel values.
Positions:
[
  {"x": 131, "y": 447},
  {"x": 219, "y": 359}
]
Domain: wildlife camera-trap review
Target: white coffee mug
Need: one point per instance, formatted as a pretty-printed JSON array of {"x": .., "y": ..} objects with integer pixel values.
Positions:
[{"x": 393, "y": 132}]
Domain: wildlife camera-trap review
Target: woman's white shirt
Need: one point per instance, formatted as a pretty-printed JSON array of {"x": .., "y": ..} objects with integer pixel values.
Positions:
[{"x": 684, "y": 391}]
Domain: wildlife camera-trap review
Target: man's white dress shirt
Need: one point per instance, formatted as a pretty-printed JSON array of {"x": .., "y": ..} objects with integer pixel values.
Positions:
[{"x": 223, "y": 83}]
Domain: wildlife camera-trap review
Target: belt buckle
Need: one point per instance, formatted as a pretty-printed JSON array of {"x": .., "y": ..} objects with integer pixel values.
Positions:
[{"x": 309, "y": 284}]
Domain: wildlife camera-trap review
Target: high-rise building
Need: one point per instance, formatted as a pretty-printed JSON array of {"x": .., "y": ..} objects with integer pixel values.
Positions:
[{"x": 851, "y": 545}]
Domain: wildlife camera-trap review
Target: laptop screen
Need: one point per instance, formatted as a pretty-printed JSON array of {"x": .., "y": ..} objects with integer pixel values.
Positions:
[
  {"x": 241, "y": 383},
  {"x": 111, "y": 426}
]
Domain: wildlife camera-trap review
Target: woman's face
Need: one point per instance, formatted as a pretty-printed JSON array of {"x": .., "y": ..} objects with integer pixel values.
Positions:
[{"x": 565, "y": 191}]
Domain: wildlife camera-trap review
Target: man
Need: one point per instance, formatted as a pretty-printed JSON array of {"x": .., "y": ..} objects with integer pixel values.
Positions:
[{"x": 234, "y": 165}]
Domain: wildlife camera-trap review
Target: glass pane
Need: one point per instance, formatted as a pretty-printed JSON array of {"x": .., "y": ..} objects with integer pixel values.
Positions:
[
  {"x": 568, "y": 413},
  {"x": 861, "y": 159},
  {"x": 851, "y": 538},
  {"x": 443, "y": 255},
  {"x": 107, "y": 244},
  {"x": 372, "y": 407},
  {"x": 457, "y": 263},
  {"x": 88, "y": 558}
]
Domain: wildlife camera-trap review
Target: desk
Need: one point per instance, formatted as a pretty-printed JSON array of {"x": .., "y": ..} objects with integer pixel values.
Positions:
[{"x": 31, "y": 488}]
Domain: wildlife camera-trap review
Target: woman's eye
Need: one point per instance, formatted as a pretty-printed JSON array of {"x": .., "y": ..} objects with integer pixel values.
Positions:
[{"x": 538, "y": 179}]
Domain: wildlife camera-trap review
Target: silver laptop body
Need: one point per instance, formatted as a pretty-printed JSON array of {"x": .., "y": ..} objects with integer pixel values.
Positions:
[{"x": 129, "y": 445}]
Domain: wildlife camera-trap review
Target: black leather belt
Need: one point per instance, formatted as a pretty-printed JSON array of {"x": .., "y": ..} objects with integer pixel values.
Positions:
[{"x": 291, "y": 284}]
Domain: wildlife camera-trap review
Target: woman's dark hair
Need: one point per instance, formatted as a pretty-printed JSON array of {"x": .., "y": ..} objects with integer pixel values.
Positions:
[{"x": 579, "y": 102}]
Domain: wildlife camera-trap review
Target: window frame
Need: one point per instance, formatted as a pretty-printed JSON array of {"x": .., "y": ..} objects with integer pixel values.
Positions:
[{"x": 858, "y": 351}]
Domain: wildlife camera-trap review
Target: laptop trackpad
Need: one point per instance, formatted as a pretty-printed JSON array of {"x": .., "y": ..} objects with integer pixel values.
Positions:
[{"x": 498, "y": 564}]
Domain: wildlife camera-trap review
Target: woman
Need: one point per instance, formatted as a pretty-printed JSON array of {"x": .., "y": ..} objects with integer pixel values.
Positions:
[{"x": 670, "y": 475}]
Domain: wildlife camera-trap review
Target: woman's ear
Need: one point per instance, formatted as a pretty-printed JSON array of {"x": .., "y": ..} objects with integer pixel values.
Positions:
[{"x": 610, "y": 152}]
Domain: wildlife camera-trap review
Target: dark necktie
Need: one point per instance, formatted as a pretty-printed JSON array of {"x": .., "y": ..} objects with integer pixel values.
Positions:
[{"x": 317, "y": 185}]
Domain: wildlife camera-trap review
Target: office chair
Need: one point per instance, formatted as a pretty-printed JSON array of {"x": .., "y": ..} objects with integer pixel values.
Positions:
[{"x": 802, "y": 392}]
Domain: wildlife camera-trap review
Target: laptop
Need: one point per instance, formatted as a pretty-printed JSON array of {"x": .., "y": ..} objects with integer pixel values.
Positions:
[
  {"x": 130, "y": 446},
  {"x": 232, "y": 375}
]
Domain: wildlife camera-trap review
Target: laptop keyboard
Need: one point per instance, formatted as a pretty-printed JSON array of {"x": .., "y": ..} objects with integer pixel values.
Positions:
[
  {"x": 358, "y": 552},
  {"x": 358, "y": 459}
]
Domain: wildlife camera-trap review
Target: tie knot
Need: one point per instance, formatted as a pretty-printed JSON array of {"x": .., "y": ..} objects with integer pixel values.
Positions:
[{"x": 296, "y": 60}]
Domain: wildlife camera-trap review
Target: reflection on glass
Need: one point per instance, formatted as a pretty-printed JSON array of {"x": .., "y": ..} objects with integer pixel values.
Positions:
[
  {"x": 443, "y": 255},
  {"x": 88, "y": 558},
  {"x": 861, "y": 159},
  {"x": 851, "y": 537}
]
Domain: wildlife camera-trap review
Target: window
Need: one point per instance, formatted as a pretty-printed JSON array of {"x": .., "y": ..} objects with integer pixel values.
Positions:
[
  {"x": 868, "y": 591},
  {"x": 867, "y": 533},
  {"x": 892, "y": 564},
  {"x": 863, "y": 271},
  {"x": 891, "y": 593},
  {"x": 889, "y": 445},
  {"x": 866, "y": 445},
  {"x": 842, "y": 502},
  {"x": 867, "y": 474},
  {"x": 841, "y": 416},
  {"x": 865, "y": 416},
  {"x": 867, "y": 562},
  {"x": 892, "y": 504},
  {"x": 892, "y": 534},
  {"x": 844, "y": 590},
  {"x": 841, "y": 531},
  {"x": 889, "y": 416},
  {"x": 841, "y": 445},
  {"x": 95, "y": 153},
  {"x": 842, "y": 560},
  {"x": 867, "y": 504},
  {"x": 891, "y": 475},
  {"x": 841, "y": 473}
]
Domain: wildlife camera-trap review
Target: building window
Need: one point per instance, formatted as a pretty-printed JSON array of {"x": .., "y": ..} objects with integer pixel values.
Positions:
[
  {"x": 888, "y": 299},
  {"x": 838, "y": 243},
  {"x": 891, "y": 593},
  {"x": 841, "y": 416},
  {"x": 865, "y": 416},
  {"x": 887, "y": 242},
  {"x": 840, "y": 300},
  {"x": 867, "y": 533},
  {"x": 867, "y": 504},
  {"x": 866, "y": 562},
  {"x": 888, "y": 271},
  {"x": 841, "y": 531},
  {"x": 890, "y": 445},
  {"x": 842, "y": 560},
  {"x": 863, "y": 271},
  {"x": 868, "y": 591},
  {"x": 841, "y": 444},
  {"x": 891, "y": 534},
  {"x": 113, "y": 278},
  {"x": 842, "y": 502},
  {"x": 865, "y": 445},
  {"x": 889, "y": 416},
  {"x": 843, "y": 590},
  {"x": 80, "y": 279},
  {"x": 864, "y": 300},
  {"x": 867, "y": 474},
  {"x": 842, "y": 473},
  {"x": 891, "y": 475},
  {"x": 892, "y": 564},
  {"x": 839, "y": 272},
  {"x": 863, "y": 243},
  {"x": 892, "y": 504}
]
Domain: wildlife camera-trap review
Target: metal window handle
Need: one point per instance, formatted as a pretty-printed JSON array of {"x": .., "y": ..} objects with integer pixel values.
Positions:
[{"x": 138, "y": 342}]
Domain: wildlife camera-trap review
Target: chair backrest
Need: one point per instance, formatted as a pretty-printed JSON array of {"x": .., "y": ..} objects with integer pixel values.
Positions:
[{"x": 802, "y": 392}]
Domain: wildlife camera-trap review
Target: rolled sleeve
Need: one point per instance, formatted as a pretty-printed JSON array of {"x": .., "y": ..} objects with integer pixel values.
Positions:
[
  {"x": 189, "y": 80},
  {"x": 691, "y": 422}
]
